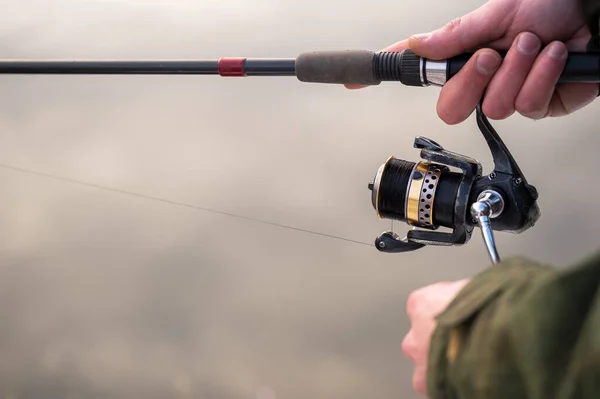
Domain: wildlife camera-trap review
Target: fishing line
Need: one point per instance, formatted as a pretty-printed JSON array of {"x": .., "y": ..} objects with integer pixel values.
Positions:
[{"x": 175, "y": 203}]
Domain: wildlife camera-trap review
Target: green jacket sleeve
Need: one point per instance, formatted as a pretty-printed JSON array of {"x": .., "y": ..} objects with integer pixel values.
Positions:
[{"x": 520, "y": 330}]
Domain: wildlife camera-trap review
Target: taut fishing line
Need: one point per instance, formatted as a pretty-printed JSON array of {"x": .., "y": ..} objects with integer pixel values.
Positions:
[{"x": 175, "y": 203}]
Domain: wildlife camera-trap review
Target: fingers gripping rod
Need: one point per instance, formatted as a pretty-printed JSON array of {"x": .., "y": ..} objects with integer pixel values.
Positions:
[{"x": 359, "y": 67}]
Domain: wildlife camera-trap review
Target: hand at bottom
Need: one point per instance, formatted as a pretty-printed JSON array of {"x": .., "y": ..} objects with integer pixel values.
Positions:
[{"x": 422, "y": 307}]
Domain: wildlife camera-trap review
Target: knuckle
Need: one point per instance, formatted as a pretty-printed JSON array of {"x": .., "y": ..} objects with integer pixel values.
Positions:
[
  {"x": 497, "y": 110},
  {"x": 447, "y": 115},
  {"x": 454, "y": 24},
  {"x": 533, "y": 116},
  {"x": 454, "y": 119},
  {"x": 529, "y": 107},
  {"x": 501, "y": 114},
  {"x": 419, "y": 383},
  {"x": 408, "y": 344},
  {"x": 412, "y": 303}
]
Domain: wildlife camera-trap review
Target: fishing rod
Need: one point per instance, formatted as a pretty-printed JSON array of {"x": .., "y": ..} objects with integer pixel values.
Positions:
[
  {"x": 360, "y": 67},
  {"x": 444, "y": 190}
]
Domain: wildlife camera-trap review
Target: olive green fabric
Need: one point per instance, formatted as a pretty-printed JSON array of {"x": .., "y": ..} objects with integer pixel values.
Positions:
[{"x": 520, "y": 330}]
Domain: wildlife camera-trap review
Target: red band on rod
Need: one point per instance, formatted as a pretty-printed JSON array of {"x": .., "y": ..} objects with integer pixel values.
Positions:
[{"x": 231, "y": 66}]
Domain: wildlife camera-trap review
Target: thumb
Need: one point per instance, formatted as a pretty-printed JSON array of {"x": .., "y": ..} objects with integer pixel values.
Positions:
[{"x": 484, "y": 25}]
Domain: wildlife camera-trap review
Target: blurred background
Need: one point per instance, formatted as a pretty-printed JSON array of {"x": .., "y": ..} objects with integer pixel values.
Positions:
[{"x": 106, "y": 295}]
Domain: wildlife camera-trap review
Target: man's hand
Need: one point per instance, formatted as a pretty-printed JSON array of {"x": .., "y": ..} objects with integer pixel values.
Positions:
[
  {"x": 537, "y": 33},
  {"x": 422, "y": 308}
]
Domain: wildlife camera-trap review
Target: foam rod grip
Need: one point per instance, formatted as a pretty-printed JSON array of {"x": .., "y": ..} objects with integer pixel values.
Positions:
[{"x": 341, "y": 67}]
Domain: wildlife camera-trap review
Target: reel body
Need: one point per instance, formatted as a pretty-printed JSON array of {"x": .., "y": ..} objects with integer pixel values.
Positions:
[{"x": 449, "y": 190}]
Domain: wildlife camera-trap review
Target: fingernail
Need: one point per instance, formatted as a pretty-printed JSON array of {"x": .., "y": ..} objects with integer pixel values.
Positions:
[
  {"x": 421, "y": 36},
  {"x": 487, "y": 62},
  {"x": 557, "y": 50},
  {"x": 528, "y": 43}
]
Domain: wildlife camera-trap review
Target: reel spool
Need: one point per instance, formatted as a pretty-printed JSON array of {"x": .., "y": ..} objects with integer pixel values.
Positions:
[
  {"x": 407, "y": 191},
  {"x": 429, "y": 194}
]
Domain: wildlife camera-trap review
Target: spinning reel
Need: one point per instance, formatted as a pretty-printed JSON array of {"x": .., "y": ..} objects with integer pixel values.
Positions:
[{"x": 429, "y": 194}]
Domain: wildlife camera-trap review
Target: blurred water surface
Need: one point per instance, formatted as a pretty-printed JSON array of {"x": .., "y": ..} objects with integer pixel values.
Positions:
[{"x": 105, "y": 295}]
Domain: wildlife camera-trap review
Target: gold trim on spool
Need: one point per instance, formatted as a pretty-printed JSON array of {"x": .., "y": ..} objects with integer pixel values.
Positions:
[{"x": 414, "y": 194}]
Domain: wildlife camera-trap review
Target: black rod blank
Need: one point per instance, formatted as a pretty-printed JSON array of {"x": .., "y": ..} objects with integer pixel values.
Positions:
[
  {"x": 109, "y": 67},
  {"x": 223, "y": 67}
]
